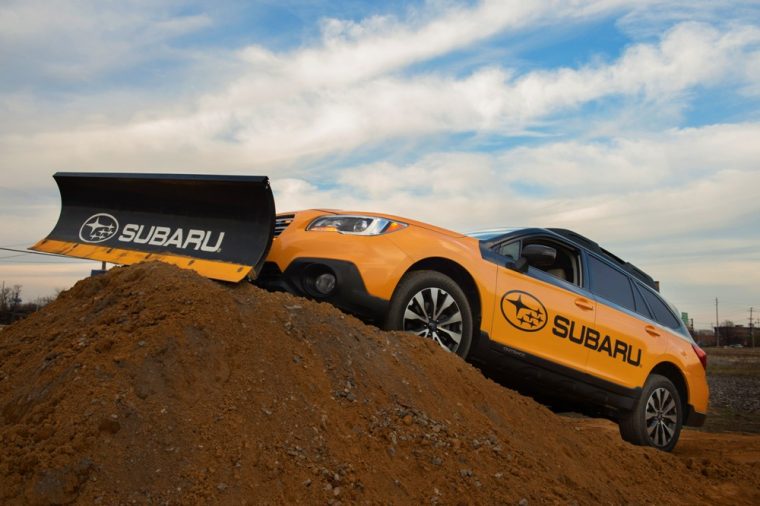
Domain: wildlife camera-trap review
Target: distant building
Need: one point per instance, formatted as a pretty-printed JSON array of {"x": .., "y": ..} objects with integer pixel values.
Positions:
[
  {"x": 729, "y": 336},
  {"x": 703, "y": 337}
]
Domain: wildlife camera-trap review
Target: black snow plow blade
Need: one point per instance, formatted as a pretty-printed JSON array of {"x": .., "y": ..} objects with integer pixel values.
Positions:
[{"x": 219, "y": 226}]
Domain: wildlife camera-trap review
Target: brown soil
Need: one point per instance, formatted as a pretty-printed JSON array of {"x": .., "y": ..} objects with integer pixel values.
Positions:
[
  {"x": 153, "y": 385},
  {"x": 728, "y": 462}
]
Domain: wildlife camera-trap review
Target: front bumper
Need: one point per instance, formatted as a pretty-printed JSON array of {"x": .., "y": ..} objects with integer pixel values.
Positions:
[{"x": 350, "y": 293}]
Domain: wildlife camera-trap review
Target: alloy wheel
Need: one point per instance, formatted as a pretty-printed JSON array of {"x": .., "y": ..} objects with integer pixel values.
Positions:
[
  {"x": 661, "y": 417},
  {"x": 433, "y": 313}
]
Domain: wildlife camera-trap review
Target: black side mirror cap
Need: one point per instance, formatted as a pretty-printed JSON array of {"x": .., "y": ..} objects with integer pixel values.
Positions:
[{"x": 539, "y": 255}]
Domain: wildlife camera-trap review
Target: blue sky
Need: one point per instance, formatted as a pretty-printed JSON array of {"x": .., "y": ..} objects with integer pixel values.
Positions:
[{"x": 634, "y": 122}]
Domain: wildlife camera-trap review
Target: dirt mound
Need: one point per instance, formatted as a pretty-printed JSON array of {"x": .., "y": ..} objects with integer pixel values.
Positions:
[{"x": 151, "y": 384}]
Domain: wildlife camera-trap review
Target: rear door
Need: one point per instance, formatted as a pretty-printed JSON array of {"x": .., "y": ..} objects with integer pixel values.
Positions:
[{"x": 624, "y": 344}]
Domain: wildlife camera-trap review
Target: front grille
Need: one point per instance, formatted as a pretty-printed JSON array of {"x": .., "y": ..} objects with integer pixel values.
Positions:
[{"x": 281, "y": 222}]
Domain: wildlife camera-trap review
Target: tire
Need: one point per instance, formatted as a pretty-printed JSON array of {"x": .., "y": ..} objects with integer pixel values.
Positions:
[
  {"x": 657, "y": 416},
  {"x": 432, "y": 305}
]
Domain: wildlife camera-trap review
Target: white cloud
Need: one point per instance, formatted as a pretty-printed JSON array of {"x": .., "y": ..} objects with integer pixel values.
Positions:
[
  {"x": 627, "y": 190},
  {"x": 263, "y": 121},
  {"x": 79, "y": 41},
  {"x": 353, "y": 110},
  {"x": 648, "y": 18},
  {"x": 354, "y": 51},
  {"x": 688, "y": 55},
  {"x": 645, "y": 162}
]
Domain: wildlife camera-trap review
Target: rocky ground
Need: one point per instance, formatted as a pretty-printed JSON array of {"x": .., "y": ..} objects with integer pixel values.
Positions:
[
  {"x": 734, "y": 378},
  {"x": 151, "y": 384}
]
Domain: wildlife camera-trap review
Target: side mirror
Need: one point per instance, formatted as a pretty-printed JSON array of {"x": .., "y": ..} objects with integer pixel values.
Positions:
[
  {"x": 536, "y": 255},
  {"x": 539, "y": 255}
]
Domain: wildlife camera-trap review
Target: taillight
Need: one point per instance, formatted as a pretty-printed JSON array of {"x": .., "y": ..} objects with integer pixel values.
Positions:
[{"x": 700, "y": 354}]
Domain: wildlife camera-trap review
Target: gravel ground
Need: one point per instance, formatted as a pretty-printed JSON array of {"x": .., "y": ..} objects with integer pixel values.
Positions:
[{"x": 734, "y": 378}]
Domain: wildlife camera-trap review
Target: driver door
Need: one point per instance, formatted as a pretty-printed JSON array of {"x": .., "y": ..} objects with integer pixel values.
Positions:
[{"x": 542, "y": 315}]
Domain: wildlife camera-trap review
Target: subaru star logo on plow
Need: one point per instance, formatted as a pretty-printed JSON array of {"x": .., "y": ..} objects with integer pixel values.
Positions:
[{"x": 99, "y": 228}]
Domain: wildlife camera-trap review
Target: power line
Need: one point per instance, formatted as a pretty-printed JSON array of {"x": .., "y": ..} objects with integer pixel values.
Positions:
[
  {"x": 40, "y": 262},
  {"x": 18, "y": 244},
  {"x": 27, "y": 252},
  {"x": 21, "y": 252}
]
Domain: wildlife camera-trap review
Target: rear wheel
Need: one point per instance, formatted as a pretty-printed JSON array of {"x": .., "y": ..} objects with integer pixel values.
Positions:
[
  {"x": 432, "y": 305},
  {"x": 657, "y": 417}
]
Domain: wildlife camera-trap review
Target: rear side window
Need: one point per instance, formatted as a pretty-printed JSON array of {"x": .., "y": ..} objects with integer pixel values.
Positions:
[
  {"x": 641, "y": 308},
  {"x": 610, "y": 284},
  {"x": 662, "y": 314}
]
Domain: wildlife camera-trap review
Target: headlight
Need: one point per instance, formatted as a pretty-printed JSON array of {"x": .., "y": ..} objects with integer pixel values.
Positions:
[{"x": 355, "y": 225}]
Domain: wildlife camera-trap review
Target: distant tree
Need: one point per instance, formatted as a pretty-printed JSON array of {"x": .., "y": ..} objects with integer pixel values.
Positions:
[
  {"x": 10, "y": 296},
  {"x": 13, "y": 308},
  {"x": 10, "y": 299},
  {"x": 40, "y": 302},
  {"x": 15, "y": 297}
]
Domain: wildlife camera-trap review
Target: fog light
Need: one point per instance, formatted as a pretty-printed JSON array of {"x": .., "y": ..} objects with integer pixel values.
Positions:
[{"x": 325, "y": 283}]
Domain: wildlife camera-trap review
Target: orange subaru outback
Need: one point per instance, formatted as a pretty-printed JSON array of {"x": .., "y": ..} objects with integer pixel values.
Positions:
[{"x": 549, "y": 307}]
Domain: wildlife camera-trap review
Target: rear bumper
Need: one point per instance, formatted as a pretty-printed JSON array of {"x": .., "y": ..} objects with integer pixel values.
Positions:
[{"x": 695, "y": 418}]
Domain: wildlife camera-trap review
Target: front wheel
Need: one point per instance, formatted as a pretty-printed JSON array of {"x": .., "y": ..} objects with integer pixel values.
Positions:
[
  {"x": 432, "y": 305},
  {"x": 657, "y": 416}
]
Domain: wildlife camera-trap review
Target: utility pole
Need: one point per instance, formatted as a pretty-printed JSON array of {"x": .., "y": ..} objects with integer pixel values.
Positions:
[
  {"x": 717, "y": 324},
  {"x": 751, "y": 334}
]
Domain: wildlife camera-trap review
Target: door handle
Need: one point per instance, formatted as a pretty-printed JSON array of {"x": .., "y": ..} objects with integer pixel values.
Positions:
[
  {"x": 652, "y": 331},
  {"x": 584, "y": 304}
]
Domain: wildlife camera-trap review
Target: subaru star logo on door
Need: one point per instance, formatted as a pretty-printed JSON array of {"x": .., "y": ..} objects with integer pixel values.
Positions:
[
  {"x": 99, "y": 228},
  {"x": 523, "y": 311}
]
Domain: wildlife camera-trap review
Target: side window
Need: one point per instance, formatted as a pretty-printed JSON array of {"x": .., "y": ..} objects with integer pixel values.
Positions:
[
  {"x": 641, "y": 308},
  {"x": 566, "y": 264},
  {"x": 662, "y": 314},
  {"x": 509, "y": 249},
  {"x": 610, "y": 284}
]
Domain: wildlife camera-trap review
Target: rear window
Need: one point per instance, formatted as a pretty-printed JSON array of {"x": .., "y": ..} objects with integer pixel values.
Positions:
[{"x": 610, "y": 284}]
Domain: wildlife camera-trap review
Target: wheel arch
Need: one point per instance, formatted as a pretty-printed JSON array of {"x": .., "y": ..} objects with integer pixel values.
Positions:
[
  {"x": 461, "y": 276},
  {"x": 674, "y": 374}
]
